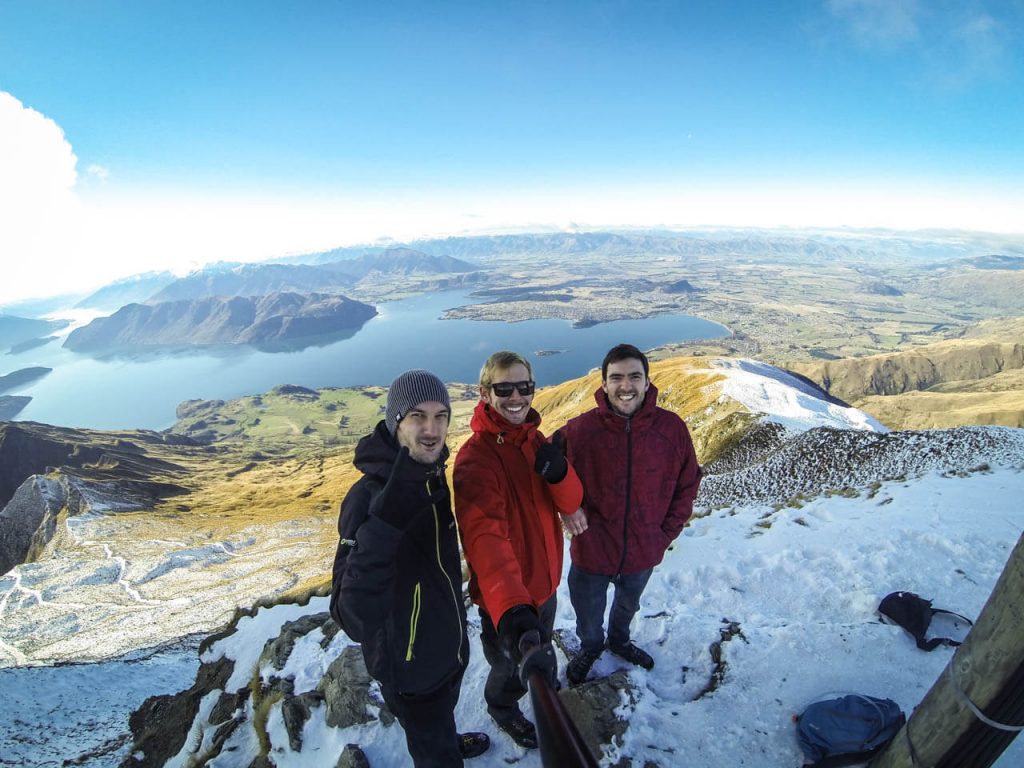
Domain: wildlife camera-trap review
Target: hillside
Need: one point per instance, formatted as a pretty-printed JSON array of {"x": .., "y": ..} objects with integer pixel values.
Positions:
[
  {"x": 948, "y": 383},
  {"x": 274, "y": 319}
]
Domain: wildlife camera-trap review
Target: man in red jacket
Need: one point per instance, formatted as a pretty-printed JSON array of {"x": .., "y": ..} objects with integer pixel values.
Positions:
[
  {"x": 511, "y": 489},
  {"x": 640, "y": 478}
]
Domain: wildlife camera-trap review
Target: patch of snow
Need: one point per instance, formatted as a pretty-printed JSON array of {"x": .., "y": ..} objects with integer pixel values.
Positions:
[
  {"x": 190, "y": 558},
  {"x": 265, "y": 623},
  {"x": 786, "y": 399}
]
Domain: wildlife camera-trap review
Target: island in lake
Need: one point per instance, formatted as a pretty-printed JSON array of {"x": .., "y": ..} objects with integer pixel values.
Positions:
[
  {"x": 22, "y": 376},
  {"x": 275, "y": 318}
]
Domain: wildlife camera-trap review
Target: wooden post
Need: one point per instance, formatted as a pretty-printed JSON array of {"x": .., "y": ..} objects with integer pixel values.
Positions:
[{"x": 989, "y": 668}]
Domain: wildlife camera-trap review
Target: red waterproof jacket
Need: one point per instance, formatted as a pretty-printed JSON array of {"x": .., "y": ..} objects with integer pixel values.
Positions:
[
  {"x": 508, "y": 515},
  {"x": 640, "y": 477}
]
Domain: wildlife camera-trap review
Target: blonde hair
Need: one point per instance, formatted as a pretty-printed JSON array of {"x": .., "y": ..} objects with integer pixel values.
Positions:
[{"x": 501, "y": 361}]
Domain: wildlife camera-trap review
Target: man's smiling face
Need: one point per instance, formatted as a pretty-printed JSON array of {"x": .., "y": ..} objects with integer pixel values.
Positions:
[
  {"x": 516, "y": 406},
  {"x": 423, "y": 431},
  {"x": 626, "y": 384}
]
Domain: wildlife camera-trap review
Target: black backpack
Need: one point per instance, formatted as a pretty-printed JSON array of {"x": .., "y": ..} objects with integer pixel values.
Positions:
[
  {"x": 847, "y": 730},
  {"x": 351, "y": 517},
  {"x": 914, "y": 614}
]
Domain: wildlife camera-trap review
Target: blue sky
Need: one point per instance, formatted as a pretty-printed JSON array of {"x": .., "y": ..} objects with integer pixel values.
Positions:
[{"x": 195, "y": 130}]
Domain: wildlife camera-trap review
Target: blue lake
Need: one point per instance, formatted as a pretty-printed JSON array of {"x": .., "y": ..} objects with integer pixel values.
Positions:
[{"x": 143, "y": 392}]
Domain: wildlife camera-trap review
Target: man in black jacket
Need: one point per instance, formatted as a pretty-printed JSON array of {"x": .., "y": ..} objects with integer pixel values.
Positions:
[{"x": 397, "y": 574}]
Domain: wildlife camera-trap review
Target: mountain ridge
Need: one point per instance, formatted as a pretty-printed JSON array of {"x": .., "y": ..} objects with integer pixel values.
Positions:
[{"x": 269, "y": 319}]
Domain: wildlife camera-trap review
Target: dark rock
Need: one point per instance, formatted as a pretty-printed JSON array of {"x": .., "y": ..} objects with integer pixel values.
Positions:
[
  {"x": 346, "y": 690},
  {"x": 352, "y": 757},
  {"x": 330, "y": 629},
  {"x": 280, "y": 648},
  {"x": 592, "y": 707},
  {"x": 295, "y": 711},
  {"x": 160, "y": 726},
  {"x": 29, "y": 520},
  {"x": 227, "y": 705}
]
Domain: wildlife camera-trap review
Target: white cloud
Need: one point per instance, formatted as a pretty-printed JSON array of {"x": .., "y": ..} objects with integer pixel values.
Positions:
[
  {"x": 38, "y": 205},
  {"x": 98, "y": 172},
  {"x": 883, "y": 23}
]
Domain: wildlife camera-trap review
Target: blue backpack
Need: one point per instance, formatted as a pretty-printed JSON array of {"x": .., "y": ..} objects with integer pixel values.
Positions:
[{"x": 847, "y": 730}]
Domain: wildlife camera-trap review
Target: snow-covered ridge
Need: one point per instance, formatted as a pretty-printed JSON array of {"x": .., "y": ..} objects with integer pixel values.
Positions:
[{"x": 786, "y": 399}]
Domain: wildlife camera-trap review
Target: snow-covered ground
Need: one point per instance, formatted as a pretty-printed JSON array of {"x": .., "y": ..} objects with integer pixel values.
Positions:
[
  {"x": 52, "y": 714},
  {"x": 799, "y": 580},
  {"x": 803, "y": 585}
]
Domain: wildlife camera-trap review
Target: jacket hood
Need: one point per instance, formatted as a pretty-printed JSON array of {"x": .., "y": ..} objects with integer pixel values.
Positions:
[
  {"x": 376, "y": 452},
  {"x": 487, "y": 420},
  {"x": 646, "y": 411}
]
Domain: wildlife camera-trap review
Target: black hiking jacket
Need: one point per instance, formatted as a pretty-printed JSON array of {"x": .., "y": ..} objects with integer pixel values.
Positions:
[{"x": 399, "y": 592}]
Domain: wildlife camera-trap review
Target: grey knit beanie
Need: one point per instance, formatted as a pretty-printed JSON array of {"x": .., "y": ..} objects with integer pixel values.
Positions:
[{"x": 409, "y": 390}]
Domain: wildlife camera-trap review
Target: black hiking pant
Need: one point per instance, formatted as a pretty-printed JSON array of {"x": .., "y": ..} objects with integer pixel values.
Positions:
[
  {"x": 503, "y": 689},
  {"x": 429, "y": 724}
]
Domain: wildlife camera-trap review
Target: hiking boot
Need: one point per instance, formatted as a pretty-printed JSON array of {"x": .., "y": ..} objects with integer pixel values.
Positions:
[
  {"x": 473, "y": 744},
  {"x": 517, "y": 726},
  {"x": 576, "y": 671},
  {"x": 633, "y": 655}
]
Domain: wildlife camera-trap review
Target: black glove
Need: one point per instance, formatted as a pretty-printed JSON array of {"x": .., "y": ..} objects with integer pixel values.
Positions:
[
  {"x": 405, "y": 495},
  {"x": 550, "y": 462},
  {"x": 537, "y": 657},
  {"x": 516, "y": 622}
]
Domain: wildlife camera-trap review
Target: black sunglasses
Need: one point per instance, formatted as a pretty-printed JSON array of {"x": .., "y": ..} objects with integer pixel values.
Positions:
[{"x": 504, "y": 388}]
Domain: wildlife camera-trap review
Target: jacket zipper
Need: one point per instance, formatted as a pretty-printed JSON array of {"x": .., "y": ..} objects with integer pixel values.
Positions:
[
  {"x": 629, "y": 483},
  {"x": 440, "y": 564},
  {"x": 414, "y": 620}
]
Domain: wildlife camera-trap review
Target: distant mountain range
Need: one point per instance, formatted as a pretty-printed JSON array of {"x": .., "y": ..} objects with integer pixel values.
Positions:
[
  {"x": 136, "y": 288},
  {"x": 275, "y": 318},
  {"x": 334, "y": 276},
  {"x": 17, "y": 330}
]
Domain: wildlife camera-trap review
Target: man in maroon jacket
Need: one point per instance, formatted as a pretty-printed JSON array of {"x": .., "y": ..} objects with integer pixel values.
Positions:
[{"x": 640, "y": 478}]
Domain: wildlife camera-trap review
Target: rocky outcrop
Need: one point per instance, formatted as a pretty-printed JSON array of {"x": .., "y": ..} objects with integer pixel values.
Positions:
[
  {"x": 211, "y": 717},
  {"x": 265, "y": 320},
  {"x": 12, "y": 405},
  {"x": 29, "y": 520},
  {"x": 162, "y": 724},
  {"x": 44, "y": 470}
]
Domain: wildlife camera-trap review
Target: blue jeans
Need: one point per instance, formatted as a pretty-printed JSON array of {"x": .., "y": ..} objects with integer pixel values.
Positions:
[{"x": 588, "y": 593}]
